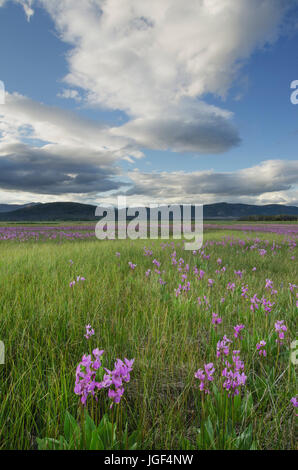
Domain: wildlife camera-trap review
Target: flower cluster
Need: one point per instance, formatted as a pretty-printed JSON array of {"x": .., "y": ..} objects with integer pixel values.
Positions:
[
  {"x": 216, "y": 320},
  {"x": 201, "y": 274},
  {"x": 237, "y": 330},
  {"x": 223, "y": 347},
  {"x": 205, "y": 376},
  {"x": 234, "y": 375},
  {"x": 267, "y": 305},
  {"x": 89, "y": 332},
  {"x": 231, "y": 286},
  {"x": 79, "y": 279},
  {"x": 185, "y": 287},
  {"x": 261, "y": 348},
  {"x": 294, "y": 402},
  {"x": 87, "y": 381},
  {"x": 280, "y": 329},
  {"x": 239, "y": 274},
  {"x": 244, "y": 290},
  {"x": 113, "y": 380},
  {"x": 254, "y": 303},
  {"x": 86, "y": 375}
]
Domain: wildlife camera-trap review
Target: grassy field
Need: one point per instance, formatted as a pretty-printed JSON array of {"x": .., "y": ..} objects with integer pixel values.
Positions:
[{"x": 170, "y": 337}]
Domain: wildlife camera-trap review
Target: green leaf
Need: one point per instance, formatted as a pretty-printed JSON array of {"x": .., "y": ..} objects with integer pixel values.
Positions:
[
  {"x": 76, "y": 440},
  {"x": 133, "y": 440},
  {"x": 48, "y": 444},
  {"x": 70, "y": 425},
  {"x": 209, "y": 429},
  {"x": 96, "y": 442},
  {"x": 89, "y": 427}
]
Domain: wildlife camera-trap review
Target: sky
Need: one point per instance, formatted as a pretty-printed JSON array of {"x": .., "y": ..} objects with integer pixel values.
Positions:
[{"x": 162, "y": 101}]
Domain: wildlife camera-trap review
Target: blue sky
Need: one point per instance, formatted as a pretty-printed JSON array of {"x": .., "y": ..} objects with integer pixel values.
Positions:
[{"x": 166, "y": 144}]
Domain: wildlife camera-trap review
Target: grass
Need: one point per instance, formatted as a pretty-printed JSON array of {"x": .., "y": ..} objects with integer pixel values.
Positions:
[{"x": 43, "y": 324}]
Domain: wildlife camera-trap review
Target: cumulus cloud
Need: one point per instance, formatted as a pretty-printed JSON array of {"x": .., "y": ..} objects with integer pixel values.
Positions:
[
  {"x": 209, "y": 133},
  {"x": 21, "y": 118},
  {"x": 269, "y": 180},
  {"x": 45, "y": 149},
  {"x": 38, "y": 170},
  {"x": 146, "y": 58},
  {"x": 51, "y": 124},
  {"x": 133, "y": 55}
]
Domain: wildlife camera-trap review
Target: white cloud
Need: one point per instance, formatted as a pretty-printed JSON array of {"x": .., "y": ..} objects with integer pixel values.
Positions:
[
  {"x": 70, "y": 94},
  {"x": 199, "y": 128},
  {"x": 47, "y": 150},
  {"x": 271, "y": 180},
  {"x": 149, "y": 58},
  {"x": 156, "y": 61},
  {"x": 44, "y": 171},
  {"x": 141, "y": 56},
  {"x": 27, "y": 5},
  {"x": 22, "y": 118}
]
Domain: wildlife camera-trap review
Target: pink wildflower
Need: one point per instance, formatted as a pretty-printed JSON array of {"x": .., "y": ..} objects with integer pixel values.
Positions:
[{"x": 261, "y": 348}]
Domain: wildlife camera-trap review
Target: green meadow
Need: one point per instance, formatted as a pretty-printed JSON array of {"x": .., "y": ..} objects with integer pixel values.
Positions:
[{"x": 170, "y": 337}]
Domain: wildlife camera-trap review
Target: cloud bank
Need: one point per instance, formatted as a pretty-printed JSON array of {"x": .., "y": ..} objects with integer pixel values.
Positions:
[
  {"x": 157, "y": 62},
  {"x": 268, "y": 177}
]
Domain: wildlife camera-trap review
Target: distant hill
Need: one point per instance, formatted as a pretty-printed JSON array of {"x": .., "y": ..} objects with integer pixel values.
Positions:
[
  {"x": 9, "y": 207},
  {"x": 50, "y": 212},
  {"x": 224, "y": 210},
  {"x": 73, "y": 211},
  {"x": 14, "y": 207}
]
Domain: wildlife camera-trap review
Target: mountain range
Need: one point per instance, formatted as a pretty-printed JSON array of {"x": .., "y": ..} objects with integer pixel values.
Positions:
[
  {"x": 13, "y": 207},
  {"x": 72, "y": 211}
]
